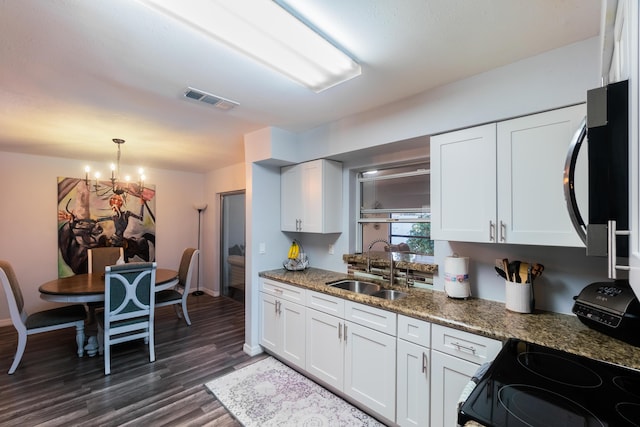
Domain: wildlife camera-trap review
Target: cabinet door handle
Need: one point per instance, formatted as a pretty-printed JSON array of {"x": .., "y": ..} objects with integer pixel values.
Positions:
[
  {"x": 612, "y": 255},
  {"x": 503, "y": 231},
  {"x": 460, "y": 347},
  {"x": 339, "y": 331},
  {"x": 345, "y": 333},
  {"x": 278, "y": 307},
  {"x": 425, "y": 362},
  {"x": 492, "y": 231},
  {"x": 300, "y": 227}
]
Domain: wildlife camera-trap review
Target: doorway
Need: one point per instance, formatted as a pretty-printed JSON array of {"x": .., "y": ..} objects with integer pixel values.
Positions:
[{"x": 232, "y": 244}]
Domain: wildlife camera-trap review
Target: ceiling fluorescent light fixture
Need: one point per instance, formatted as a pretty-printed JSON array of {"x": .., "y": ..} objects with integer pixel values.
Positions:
[{"x": 268, "y": 33}]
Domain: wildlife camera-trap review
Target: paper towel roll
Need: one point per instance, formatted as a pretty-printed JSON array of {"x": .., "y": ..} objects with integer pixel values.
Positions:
[{"x": 456, "y": 276}]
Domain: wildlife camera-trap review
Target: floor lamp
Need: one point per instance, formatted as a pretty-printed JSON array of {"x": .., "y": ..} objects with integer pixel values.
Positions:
[{"x": 200, "y": 208}]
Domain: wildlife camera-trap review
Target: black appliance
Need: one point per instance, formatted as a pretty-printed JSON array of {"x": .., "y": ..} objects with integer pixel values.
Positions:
[
  {"x": 606, "y": 129},
  {"x": 611, "y": 308},
  {"x": 533, "y": 385}
]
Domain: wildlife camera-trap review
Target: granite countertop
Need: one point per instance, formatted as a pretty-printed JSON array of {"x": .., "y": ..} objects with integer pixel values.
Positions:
[
  {"x": 478, "y": 316},
  {"x": 400, "y": 261}
]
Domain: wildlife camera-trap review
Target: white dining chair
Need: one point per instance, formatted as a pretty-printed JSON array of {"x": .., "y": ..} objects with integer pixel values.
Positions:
[
  {"x": 178, "y": 295},
  {"x": 129, "y": 297},
  {"x": 68, "y": 316}
]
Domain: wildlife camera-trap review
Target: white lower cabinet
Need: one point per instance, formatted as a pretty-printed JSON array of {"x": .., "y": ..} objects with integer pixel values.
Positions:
[
  {"x": 449, "y": 376},
  {"x": 282, "y": 330},
  {"x": 403, "y": 370},
  {"x": 355, "y": 359},
  {"x": 413, "y": 372},
  {"x": 325, "y": 348},
  {"x": 370, "y": 375},
  {"x": 455, "y": 357}
]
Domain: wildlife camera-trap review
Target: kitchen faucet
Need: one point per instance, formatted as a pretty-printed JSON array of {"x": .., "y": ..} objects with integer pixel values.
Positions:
[{"x": 390, "y": 261}]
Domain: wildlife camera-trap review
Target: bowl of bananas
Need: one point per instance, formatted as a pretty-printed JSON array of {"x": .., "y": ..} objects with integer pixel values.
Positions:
[{"x": 296, "y": 258}]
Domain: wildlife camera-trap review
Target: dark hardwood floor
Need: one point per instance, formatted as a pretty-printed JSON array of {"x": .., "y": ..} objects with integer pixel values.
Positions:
[{"x": 53, "y": 387}]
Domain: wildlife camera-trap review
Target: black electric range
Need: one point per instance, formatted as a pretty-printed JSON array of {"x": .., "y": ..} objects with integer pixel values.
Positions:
[{"x": 532, "y": 385}]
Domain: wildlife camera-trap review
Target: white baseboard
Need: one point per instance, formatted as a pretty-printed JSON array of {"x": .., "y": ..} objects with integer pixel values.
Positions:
[{"x": 252, "y": 351}]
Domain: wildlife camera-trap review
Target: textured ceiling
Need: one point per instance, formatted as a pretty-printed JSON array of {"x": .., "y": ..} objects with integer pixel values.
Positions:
[{"x": 74, "y": 74}]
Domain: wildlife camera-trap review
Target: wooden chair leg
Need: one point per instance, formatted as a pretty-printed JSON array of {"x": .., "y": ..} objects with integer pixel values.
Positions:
[{"x": 22, "y": 344}]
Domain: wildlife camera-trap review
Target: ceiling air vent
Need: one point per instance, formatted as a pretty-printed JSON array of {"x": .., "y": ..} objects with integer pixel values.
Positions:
[{"x": 216, "y": 101}]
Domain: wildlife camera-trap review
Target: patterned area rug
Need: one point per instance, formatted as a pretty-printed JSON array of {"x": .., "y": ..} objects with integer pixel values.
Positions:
[{"x": 268, "y": 393}]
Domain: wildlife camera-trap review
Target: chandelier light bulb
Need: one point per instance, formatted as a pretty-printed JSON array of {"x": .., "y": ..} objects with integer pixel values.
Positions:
[{"x": 116, "y": 186}]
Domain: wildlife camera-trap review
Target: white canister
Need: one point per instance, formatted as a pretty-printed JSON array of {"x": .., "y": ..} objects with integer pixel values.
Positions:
[{"x": 456, "y": 276}]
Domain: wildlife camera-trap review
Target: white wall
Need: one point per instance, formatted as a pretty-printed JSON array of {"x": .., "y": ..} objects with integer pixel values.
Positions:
[
  {"x": 550, "y": 80},
  {"x": 231, "y": 178},
  {"x": 263, "y": 229},
  {"x": 28, "y": 220}
]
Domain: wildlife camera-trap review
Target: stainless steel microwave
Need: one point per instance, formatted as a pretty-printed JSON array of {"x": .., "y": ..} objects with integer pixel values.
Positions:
[{"x": 606, "y": 130}]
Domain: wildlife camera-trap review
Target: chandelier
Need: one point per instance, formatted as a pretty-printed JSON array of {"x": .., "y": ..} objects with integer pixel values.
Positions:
[{"x": 117, "y": 186}]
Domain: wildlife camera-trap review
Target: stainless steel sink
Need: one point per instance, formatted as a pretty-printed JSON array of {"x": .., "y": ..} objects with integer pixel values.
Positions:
[
  {"x": 389, "y": 294},
  {"x": 356, "y": 286}
]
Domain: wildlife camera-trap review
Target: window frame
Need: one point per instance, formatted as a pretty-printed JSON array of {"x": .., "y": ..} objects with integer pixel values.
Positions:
[{"x": 361, "y": 222}]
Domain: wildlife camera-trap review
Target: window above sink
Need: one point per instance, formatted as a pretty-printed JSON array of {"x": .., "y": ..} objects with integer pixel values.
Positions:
[{"x": 395, "y": 206}]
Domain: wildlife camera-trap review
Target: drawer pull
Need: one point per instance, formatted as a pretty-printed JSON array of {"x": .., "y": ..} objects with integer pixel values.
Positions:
[
  {"x": 278, "y": 291},
  {"x": 461, "y": 347}
]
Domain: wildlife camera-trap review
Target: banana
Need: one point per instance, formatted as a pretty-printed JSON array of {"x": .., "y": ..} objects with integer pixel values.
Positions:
[{"x": 294, "y": 250}]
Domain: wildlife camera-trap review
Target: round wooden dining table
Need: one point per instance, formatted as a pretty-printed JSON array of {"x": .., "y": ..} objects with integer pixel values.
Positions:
[{"x": 90, "y": 287}]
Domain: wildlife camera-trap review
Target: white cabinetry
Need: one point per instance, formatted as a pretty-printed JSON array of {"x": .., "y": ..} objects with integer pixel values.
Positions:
[
  {"x": 325, "y": 342},
  {"x": 282, "y": 330},
  {"x": 370, "y": 357},
  {"x": 502, "y": 182},
  {"x": 413, "y": 372},
  {"x": 311, "y": 197},
  {"x": 455, "y": 357},
  {"x": 352, "y": 347},
  {"x": 620, "y": 43}
]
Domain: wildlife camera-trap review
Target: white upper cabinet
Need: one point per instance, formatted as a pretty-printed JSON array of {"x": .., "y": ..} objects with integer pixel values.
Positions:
[
  {"x": 503, "y": 182},
  {"x": 311, "y": 197},
  {"x": 618, "y": 45},
  {"x": 463, "y": 185}
]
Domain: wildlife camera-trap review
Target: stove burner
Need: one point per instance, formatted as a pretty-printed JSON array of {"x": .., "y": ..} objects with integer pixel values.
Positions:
[
  {"x": 628, "y": 384},
  {"x": 630, "y": 412},
  {"x": 538, "y": 407},
  {"x": 559, "y": 369}
]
